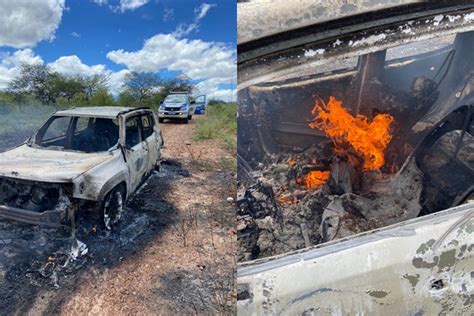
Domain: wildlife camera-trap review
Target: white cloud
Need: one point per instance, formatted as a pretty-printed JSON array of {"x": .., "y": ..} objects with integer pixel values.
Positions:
[
  {"x": 202, "y": 10},
  {"x": 199, "y": 13},
  {"x": 73, "y": 66},
  {"x": 211, "y": 63},
  {"x": 24, "y": 23},
  {"x": 124, "y": 5},
  {"x": 100, "y": 2},
  {"x": 9, "y": 64},
  {"x": 117, "y": 80},
  {"x": 194, "y": 58},
  {"x": 211, "y": 89},
  {"x": 21, "y": 56},
  {"x": 75, "y": 34},
  {"x": 168, "y": 15},
  {"x": 131, "y": 4}
]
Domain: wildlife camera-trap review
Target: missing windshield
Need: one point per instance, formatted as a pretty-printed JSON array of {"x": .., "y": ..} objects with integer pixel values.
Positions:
[{"x": 83, "y": 134}]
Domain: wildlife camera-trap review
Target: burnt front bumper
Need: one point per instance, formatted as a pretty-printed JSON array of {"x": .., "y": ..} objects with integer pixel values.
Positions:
[{"x": 47, "y": 218}]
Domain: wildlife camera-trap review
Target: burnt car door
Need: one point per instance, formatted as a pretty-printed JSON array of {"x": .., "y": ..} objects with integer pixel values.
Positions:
[
  {"x": 420, "y": 267},
  {"x": 135, "y": 150},
  {"x": 151, "y": 139}
]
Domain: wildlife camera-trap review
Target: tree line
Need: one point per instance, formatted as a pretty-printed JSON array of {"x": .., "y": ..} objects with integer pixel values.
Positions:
[{"x": 38, "y": 82}]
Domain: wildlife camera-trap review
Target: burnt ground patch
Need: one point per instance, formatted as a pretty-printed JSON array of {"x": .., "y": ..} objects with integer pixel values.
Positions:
[{"x": 36, "y": 271}]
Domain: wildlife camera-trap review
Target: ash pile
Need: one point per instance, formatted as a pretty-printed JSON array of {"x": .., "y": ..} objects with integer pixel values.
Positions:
[
  {"x": 349, "y": 184},
  {"x": 278, "y": 214}
]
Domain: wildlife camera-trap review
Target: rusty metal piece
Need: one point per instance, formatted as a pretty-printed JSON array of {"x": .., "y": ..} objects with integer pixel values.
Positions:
[
  {"x": 47, "y": 218},
  {"x": 369, "y": 82}
]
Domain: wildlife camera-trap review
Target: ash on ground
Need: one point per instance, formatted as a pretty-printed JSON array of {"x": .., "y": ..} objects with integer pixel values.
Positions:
[{"x": 36, "y": 262}]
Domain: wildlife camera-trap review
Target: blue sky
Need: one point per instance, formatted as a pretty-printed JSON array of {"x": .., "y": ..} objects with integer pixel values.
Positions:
[{"x": 85, "y": 37}]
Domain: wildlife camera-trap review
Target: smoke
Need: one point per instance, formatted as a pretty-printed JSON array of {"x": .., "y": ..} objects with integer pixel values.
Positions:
[{"x": 18, "y": 122}]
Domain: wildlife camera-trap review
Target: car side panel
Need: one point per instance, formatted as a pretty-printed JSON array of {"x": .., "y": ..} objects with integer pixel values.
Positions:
[
  {"x": 154, "y": 143},
  {"x": 137, "y": 156},
  {"x": 419, "y": 267},
  {"x": 92, "y": 184}
]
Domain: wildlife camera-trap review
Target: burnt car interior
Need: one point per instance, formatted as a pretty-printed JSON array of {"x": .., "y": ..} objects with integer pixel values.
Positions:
[
  {"x": 34, "y": 197},
  {"x": 304, "y": 165},
  {"x": 84, "y": 134},
  {"x": 132, "y": 136}
]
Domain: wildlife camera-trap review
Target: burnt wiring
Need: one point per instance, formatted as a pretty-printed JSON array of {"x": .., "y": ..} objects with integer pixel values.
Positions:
[{"x": 447, "y": 61}]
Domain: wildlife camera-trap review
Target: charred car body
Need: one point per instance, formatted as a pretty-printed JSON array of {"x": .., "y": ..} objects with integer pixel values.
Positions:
[
  {"x": 89, "y": 158},
  {"x": 355, "y": 157}
]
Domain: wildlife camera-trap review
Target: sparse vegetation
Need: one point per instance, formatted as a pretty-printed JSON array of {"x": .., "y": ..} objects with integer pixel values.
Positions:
[
  {"x": 43, "y": 85},
  {"x": 185, "y": 223},
  {"x": 220, "y": 123}
]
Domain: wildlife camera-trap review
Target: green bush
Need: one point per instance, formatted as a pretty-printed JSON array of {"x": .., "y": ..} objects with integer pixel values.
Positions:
[{"x": 219, "y": 123}]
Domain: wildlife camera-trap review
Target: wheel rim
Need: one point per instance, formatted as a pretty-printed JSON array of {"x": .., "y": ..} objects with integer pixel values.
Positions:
[{"x": 113, "y": 209}]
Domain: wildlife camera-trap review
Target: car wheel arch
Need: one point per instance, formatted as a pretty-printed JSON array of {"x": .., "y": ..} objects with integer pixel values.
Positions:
[{"x": 111, "y": 185}]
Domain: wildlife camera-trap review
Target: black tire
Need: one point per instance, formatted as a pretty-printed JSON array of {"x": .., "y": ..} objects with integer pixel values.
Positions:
[
  {"x": 186, "y": 120},
  {"x": 112, "y": 207},
  {"x": 161, "y": 120},
  {"x": 158, "y": 165},
  {"x": 190, "y": 117}
]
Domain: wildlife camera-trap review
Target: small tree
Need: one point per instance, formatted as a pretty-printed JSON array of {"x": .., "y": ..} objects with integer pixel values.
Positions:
[
  {"x": 64, "y": 87},
  {"x": 94, "y": 84},
  {"x": 126, "y": 99},
  {"x": 141, "y": 85},
  {"x": 102, "y": 97},
  {"x": 180, "y": 83},
  {"x": 34, "y": 79}
]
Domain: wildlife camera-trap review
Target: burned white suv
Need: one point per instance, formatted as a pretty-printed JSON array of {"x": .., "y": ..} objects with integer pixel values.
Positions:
[{"x": 88, "y": 158}]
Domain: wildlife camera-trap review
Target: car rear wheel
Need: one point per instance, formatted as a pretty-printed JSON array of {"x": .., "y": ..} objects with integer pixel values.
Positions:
[
  {"x": 161, "y": 120},
  {"x": 112, "y": 207}
]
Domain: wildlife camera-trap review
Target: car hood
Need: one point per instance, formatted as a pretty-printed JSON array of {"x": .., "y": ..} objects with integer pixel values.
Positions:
[
  {"x": 174, "y": 105},
  {"x": 28, "y": 163}
]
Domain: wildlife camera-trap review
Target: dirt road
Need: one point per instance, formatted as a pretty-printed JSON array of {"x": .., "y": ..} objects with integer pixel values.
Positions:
[{"x": 173, "y": 252}]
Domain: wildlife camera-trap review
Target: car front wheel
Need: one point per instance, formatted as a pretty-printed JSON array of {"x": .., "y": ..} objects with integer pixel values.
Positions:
[
  {"x": 161, "y": 120},
  {"x": 112, "y": 208}
]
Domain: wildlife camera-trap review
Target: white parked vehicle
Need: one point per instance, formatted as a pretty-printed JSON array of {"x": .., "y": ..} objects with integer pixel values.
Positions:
[{"x": 177, "y": 105}]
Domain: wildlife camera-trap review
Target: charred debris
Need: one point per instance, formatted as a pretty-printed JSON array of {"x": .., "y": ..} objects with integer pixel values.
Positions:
[{"x": 335, "y": 154}]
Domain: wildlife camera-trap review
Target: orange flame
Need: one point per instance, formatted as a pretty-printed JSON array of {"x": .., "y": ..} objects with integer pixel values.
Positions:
[
  {"x": 287, "y": 199},
  {"x": 291, "y": 162},
  {"x": 315, "y": 179},
  {"x": 368, "y": 139}
]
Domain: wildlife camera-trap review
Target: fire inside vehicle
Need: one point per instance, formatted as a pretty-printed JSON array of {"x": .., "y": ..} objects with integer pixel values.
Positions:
[{"x": 356, "y": 164}]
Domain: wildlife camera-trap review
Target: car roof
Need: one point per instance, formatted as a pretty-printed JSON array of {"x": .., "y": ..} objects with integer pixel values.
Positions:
[
  {"x": 258, "y": 19},
  {"x": 96, "y": 111}
]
